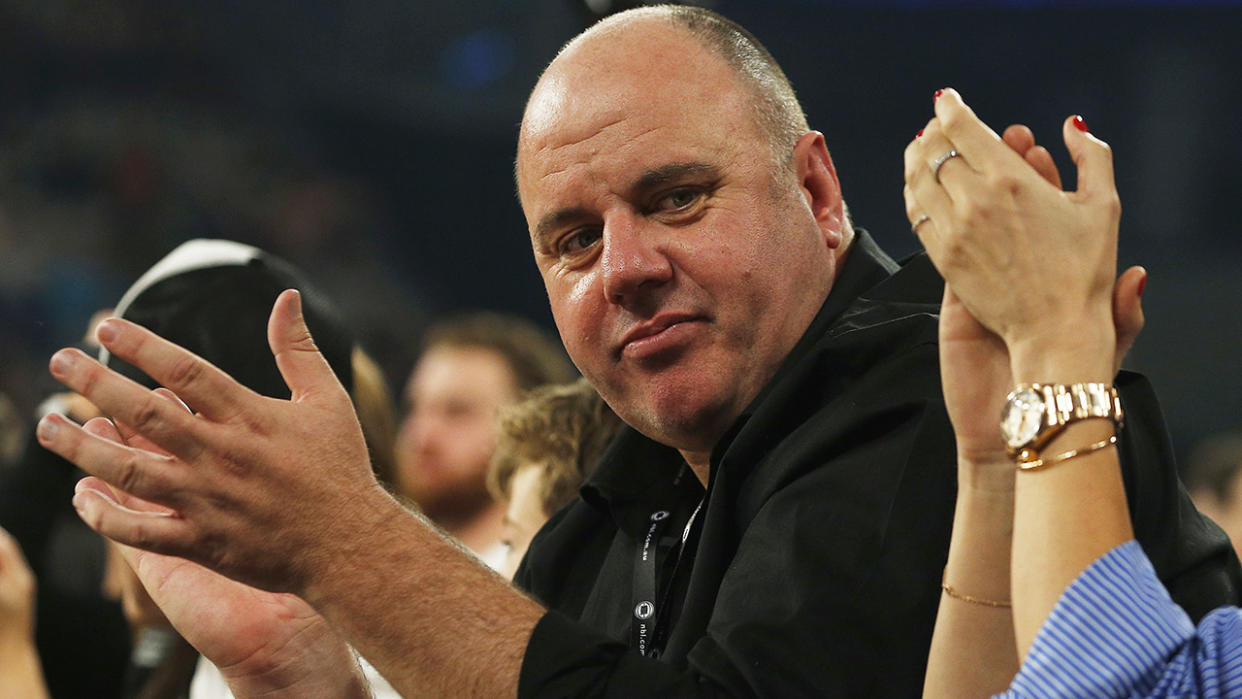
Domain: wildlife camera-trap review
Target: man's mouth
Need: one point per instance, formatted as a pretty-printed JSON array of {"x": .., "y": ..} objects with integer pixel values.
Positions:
[{"x": 663, "y": 332}]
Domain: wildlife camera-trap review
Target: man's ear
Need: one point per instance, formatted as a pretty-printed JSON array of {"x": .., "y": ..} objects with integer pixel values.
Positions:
[{"x": 817, "y": 179}]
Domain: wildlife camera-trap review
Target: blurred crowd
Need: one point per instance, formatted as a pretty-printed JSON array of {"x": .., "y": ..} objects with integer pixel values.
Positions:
[
  {"x": 153, "y": 202},
  {"x": 493, "y": 437}
]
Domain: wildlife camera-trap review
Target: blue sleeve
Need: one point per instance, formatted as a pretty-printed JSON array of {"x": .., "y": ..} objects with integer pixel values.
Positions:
[{"x": 1115, "y": 633}]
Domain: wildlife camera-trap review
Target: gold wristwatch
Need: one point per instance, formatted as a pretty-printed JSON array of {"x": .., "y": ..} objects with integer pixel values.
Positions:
[{"x": 1035, "y": 413}]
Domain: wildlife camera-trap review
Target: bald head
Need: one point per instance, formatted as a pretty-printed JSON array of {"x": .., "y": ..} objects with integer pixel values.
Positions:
[{"x": 771, "y": 100}]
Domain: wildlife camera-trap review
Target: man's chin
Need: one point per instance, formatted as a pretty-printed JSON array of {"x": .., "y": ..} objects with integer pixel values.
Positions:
[
  {"x": 688, "y": 422},
  {"x": 448, "y": 503}
]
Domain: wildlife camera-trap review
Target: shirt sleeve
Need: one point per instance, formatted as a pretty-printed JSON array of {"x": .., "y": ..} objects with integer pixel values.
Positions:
[{"x": 1116, "y": 633}]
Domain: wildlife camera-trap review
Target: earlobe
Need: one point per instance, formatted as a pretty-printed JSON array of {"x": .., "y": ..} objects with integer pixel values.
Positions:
[{"x": 817, "y": 179}]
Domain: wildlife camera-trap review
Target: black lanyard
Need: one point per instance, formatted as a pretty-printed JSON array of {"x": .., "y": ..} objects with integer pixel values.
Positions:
[{"x": 646, "y": 613}]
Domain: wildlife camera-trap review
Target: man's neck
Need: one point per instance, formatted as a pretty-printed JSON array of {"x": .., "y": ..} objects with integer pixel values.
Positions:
[{"x": 700, "y": 463}]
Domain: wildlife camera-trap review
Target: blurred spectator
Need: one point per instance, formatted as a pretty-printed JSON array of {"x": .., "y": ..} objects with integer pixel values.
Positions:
[
  {"x": 213, "y": 296},
  {"x": 20, "y": 672},
  {"x": 93, "y": 181},
  {"x": 82, "y": 638},
  {"x": 1211, "y": 475},
  {"x": 12, "y": 430},
  {"x": 549, "y": 443},
  {"x": 470, "y": 367}
]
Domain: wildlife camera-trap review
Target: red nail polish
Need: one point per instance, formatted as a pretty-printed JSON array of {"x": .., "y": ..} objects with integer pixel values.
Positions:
[
  {"x": 919, "y": 134},
  {"x": 937, "y": 95},
  {"x": 1081, "y": 125},
  {"x": 1142, "y": 286}
]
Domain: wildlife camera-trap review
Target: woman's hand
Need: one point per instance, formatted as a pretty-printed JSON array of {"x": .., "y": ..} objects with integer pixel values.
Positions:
[{"x": 1031, "y": 263}]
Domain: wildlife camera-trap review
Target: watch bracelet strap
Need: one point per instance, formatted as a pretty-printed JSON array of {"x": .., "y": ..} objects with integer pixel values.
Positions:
[
  {"x": 1065, "y": 404},
  {"x": 1068, "y": 403}
]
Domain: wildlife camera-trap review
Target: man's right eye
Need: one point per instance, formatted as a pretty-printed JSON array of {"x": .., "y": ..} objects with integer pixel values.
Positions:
[{"x": 579, "y": 242}]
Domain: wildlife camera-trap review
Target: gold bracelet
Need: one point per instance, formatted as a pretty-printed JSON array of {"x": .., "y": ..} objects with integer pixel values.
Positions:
[
  {"x": 974, "y": 600},
  {"x": 1036, "y": 464}
]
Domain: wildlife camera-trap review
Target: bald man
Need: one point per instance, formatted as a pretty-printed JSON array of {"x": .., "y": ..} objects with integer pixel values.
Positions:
[{"x": 774, "y": 522}]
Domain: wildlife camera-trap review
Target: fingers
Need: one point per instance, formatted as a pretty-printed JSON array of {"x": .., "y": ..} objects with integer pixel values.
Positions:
[
  {"x": 126, "y": 401},
  {"x": 153, "y": 531},
  {"x": 133, "y": 438},
  {"x": 206, "y": 388},
  {"x": 304, "y": 369},
  {"x": 969, "y": 135},
  {"x": 925, "y": 197},
  {"x": 148, "y": 475},
  {"x": 1092, "y": 157},
  {"x": 922, "y": 223},
  {"x": 933, "y": 162},
  {"x": 1128, "y": 310},
  {"x": 105, "y": 429},
  {"x": 1040, "y": 159},
  {"x": 1019, "y": 138}
]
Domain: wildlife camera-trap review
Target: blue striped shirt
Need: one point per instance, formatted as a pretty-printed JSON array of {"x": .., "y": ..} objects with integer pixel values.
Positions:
[{"x": 1115, "y": 633}]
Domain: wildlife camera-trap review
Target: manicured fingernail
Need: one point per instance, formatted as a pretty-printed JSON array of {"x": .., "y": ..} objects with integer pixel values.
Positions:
[
  {"x": 107, "y": 330},
  {"x": 937, "y": 95},
  {"x": 61, "y": 363},
  {"x": 47, "y": 428},
  {"x": 919, "y": 134},
  {"x": 1081, "y": 125}
]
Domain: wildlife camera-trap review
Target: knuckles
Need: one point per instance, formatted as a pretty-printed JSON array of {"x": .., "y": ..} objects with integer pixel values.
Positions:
[
  {"x": 129, "y": 475},
  {"x": 184, "y": 371},
  {"x": 147, "y": 415},
  {"x": 1112, "y": 205},
  {"x": 1005, "y": 183}
]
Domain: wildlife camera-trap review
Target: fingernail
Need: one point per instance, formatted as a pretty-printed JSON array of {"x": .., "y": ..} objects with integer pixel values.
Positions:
[
  {"x": 919, "y": 134},
  {"x": 79, "y": 503},
  {"x": 61, "y": 363},
  {"x": 1142, "y": 286},
  {"x": 1081, "y": 125},
  {"x": 47, "y": 428},
  {"x": 937, "y": 95},
  {"x": 107, "y": 331}
]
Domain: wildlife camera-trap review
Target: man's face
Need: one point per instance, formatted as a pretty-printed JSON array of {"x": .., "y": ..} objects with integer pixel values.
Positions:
[
  {"x": 679, "y": 269},
  {"x": 448, "y": 436}
]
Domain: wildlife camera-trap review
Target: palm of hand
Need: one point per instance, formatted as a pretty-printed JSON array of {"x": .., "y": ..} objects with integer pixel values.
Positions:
[
  {"x": 240, "y": 628},
  {"x": 974, "y": 372}
]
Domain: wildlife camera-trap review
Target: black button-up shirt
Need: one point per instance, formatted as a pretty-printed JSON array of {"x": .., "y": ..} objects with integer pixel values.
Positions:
[{"x": 813, "y": 566}]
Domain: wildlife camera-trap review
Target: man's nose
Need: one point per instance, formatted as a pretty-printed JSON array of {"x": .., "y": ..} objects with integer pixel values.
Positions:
[{"x": 633, "y": 260}]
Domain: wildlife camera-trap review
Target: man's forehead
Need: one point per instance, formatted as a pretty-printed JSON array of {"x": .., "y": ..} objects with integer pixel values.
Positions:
[
  {"x": 620, "y": 67},
  {"x": 624, "y": 88}
]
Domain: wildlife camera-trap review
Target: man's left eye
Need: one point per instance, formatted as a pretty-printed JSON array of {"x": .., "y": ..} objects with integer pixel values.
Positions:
[{"x": 678, "y": 199}]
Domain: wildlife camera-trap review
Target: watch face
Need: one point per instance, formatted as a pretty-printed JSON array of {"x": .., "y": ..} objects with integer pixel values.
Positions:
[{"x": 1022, "y": 417}]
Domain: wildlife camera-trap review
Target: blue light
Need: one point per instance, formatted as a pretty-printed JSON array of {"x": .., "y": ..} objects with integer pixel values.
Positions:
[{"x": 479, "y": 58}]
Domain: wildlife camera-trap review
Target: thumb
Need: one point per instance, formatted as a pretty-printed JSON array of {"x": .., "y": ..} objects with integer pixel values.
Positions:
[
  {"x": 303, "y": 368},
  {"x": 1128, "y": 310},
  {"x": 1092, "y": 157}
]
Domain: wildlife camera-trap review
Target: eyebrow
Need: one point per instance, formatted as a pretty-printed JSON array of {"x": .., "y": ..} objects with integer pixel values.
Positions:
[
  {"x": 673, "y": 172},
  {"x": 649, "y": 180},
  {"x": 554, "y": 220}
]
